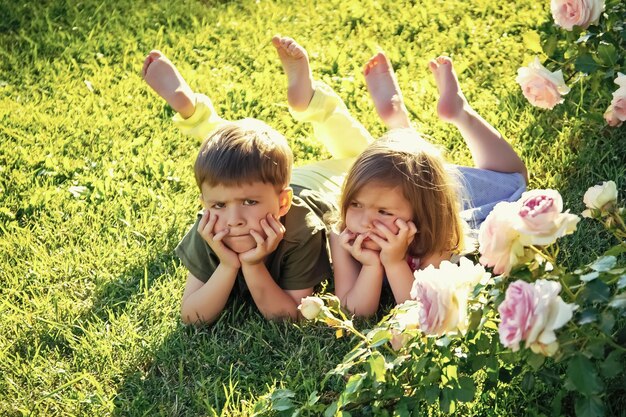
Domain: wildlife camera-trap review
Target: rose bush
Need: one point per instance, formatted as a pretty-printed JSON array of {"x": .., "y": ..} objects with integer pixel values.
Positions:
[
  {"x": 587, "y": 44},
  {"x": 466, "y": 331}
]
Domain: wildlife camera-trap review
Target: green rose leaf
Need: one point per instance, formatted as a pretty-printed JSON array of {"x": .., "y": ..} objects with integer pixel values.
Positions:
[
  {"x": 619, "y": 301},
  {"x": 622, "y": 282},
  {"x": 589, "y": 407},
  {"x": 354, "y": 384},
  {"x": 583, "y": 375},
  {"x": 603, "y": 264},
  {"x": 607, "y": 54},
  {"x": 528, "y": 382},
  {"x": 596, "y": 291},
  {"x": 377, "y": 368},
  {"x": 613, "y": 365},
  {"x": 535, "y": 360},
  {"x": 466, "y": 389},
  {"x": 549, "y": 46},
  {"x": 590, "y": 276},
  {"x": 585, "y": 63},
  {"x": 379, "y": 338}
]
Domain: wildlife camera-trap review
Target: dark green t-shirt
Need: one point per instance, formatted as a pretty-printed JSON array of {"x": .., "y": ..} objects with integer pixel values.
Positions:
[{"x": 301, "y": 259}]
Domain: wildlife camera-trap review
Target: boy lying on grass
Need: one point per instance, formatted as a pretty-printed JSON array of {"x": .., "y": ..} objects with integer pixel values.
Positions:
[{"x": 260, "y": 231}]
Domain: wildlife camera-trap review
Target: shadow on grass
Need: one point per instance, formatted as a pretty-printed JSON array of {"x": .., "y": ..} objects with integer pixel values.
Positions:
[{"x": 208, "y": 370}]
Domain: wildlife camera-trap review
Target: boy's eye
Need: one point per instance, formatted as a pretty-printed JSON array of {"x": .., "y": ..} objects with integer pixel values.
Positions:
[
  {"x": 218, "y": 205},
  {"x": 248, "y": 202}
]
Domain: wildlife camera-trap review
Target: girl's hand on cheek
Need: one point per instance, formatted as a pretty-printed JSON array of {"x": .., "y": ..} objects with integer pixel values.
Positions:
[
  {"x": 394, "y": 246},
  {"x": 206, "y": 228},
  {"x": 354, "y": 245}
]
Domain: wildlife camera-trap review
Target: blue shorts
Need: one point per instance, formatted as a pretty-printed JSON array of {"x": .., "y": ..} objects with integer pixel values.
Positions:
[{"x": 484, "y": 189}]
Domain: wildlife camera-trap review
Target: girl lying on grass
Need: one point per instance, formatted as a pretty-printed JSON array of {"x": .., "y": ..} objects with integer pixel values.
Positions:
[{"x": 400, "y": 206}]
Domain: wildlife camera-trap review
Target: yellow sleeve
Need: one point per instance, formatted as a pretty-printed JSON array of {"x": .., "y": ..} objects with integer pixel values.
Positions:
[
  {"x": 203, "y": 121},
  {"x": 333, "y": 125}
]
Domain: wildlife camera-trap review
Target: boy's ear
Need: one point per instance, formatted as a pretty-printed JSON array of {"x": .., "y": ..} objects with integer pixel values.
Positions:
[{"x": 284, "y": 199}]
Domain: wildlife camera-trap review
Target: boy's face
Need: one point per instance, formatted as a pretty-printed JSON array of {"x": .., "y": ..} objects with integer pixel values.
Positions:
[
  {"x": 377, "y": 204},
  {"x": 240, "y": 208}
]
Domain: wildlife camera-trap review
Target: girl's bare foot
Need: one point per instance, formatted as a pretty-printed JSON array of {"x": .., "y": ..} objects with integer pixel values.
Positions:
[
  {"x": 383, "y": 87},
  {"x": 166, "y": 81},
  {"x": 296, "y": 65},
  {"x": 452, "y": 102}
]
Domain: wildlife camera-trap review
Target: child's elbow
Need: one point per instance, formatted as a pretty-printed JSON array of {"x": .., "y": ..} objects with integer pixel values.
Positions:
[{"x": 195, "y": 319}]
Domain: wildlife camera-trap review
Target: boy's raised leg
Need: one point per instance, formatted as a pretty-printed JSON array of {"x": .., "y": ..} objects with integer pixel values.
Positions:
[
  {"x": 296, "y": 66},
  {"x": 383, "y": 87},
  {"x": 489, "y": 149},
  {"x": 166, "y": 81}
]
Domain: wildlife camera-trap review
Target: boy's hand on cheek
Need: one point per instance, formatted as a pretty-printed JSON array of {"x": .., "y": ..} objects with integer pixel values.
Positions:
[
  {"x": 354, "y": 244},
  {"x": 274, "y": 230},
  {"x": 206, "y": 229},
  {"x": 394, "y": 246}
]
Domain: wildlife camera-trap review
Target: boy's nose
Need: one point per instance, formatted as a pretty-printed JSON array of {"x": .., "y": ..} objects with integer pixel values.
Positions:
[{"x": 235, "y": 219}]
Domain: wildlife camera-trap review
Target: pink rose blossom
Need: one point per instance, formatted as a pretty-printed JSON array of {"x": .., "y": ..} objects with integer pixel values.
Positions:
[
  {"x": 541, "y": 87},
  {"x": 500, "y": 243},
  {"x": 531, "y": 313},
  {"x": 516, "y": 313},
  {"x": 542, "y": 220},
  {"x": 570, "y": 13},
  {"x": 439, "y": 309}
]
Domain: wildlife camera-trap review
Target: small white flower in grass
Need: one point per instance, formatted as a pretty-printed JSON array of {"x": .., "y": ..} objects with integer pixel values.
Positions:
[{"x": 310, "y": 307}]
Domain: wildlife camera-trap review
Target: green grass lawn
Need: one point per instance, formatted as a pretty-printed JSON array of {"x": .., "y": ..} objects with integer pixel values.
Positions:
[{"x": 96, "y": 186}]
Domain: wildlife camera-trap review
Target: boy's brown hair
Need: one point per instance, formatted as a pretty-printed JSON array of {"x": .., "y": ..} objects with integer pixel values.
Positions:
[
  {"x": 244, "y": 152},
  {"x": 403, "y": 158}
]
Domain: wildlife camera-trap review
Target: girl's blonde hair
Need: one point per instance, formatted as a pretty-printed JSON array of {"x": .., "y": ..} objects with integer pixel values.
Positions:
[{"x": 402, "y": 158}]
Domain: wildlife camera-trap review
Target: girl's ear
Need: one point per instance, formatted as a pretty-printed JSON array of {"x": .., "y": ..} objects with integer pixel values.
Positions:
[{"x": 284, "y": 199}]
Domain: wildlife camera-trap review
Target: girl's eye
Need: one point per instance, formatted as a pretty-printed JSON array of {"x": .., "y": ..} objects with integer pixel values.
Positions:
[
  {"x": 384, "y": 213},
  {"x": 248, "y": 202},
  {"x": 355, "y": 204},
  {"x": 217, "y": 205}
]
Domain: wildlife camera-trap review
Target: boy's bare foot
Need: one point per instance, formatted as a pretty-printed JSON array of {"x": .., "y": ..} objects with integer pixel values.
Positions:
[
  {"x": 452, "y": 102},
  {"x": 296, "y": 65},
  {"x": 164, "y": 78},
  {"x": 383, "y": 87}
]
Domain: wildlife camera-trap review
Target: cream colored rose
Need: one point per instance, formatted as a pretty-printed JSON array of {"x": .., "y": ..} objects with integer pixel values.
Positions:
[
  {"x": 611, "y": 117},
  {"x": 618, "y": 104},
  {"x": 541, "y": 87},
  {"x": 310, "y": 307},
  {"x": 442, "y": 294},
  {"x": 551, "y": 313},
  {"x": 501, "y": 245},
  {"x": 599, "y": 196},
  {"x": 570, "y": 13}
]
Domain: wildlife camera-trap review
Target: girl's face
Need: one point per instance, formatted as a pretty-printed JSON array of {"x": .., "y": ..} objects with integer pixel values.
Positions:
[{"x": 377, "y": 204}]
